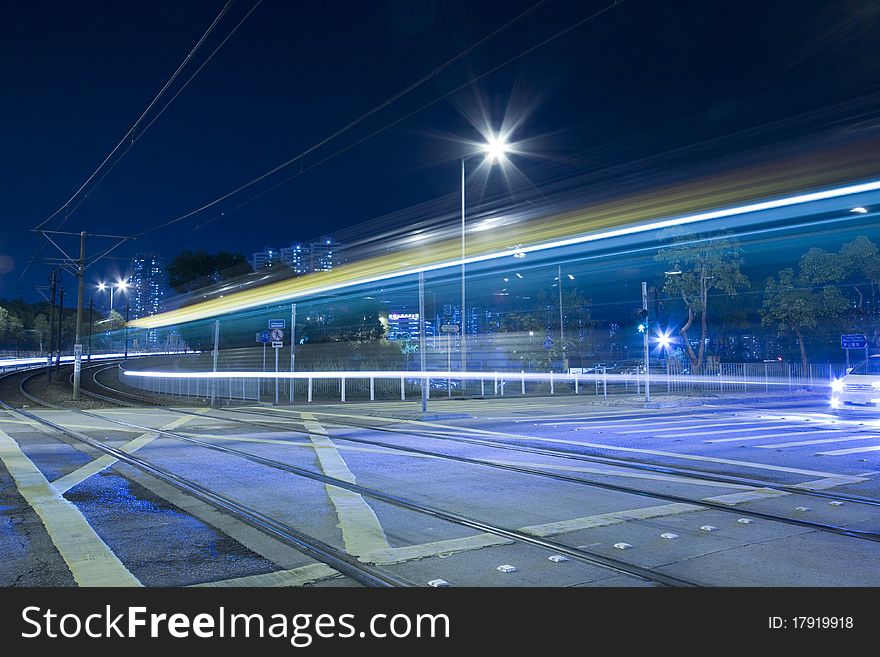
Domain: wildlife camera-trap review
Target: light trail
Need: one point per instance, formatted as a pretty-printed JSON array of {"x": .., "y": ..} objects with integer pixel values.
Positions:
[{"x": 618, "y": 218}]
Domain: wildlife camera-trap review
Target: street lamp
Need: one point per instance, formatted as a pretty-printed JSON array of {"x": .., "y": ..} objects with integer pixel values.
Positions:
[
  {"x": 122, "y": 286},
  {"x": 494, "y": 149}
]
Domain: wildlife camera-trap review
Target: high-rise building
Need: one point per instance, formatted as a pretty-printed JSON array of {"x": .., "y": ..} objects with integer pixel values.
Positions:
[
  {"x": 326, "y": 253},
  {"x": 320, "y": 255},
  {"x": 265, "y": 258},
  {"x": 297, "y": 257},
  {"x": 147, "y": 284}
]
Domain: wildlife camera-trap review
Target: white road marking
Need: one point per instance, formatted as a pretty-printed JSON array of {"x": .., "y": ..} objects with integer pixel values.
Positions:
[
  {"x": 68, "y": 481},
  {"x": 852, "y": 450},
  {"x": 823, "y": 441},
  {"x": 361, "y": 531},
  {"x": 764, "y": 436},
  {"x": 90, "y": 560},
  {"x": 300, "y": 576}
]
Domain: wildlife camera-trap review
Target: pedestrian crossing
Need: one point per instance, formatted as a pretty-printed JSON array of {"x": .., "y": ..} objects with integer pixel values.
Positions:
[{"x": 799, "y": 431}]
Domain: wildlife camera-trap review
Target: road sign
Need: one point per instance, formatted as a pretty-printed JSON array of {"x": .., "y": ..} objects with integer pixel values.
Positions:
[
  {"x": 853, "y": 341},
  {"x": 276, "y": 334},
  {"x": 276, "y": 324},
  {"x": 277, "y": 345},
  {"x": 548, "y": 343},
  {"x": 450, "y": 328},
  {"x": 264, "y": 337}
]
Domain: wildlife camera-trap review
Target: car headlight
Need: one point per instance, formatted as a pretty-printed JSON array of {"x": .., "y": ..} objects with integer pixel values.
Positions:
[{"x": 837, "y": 385}]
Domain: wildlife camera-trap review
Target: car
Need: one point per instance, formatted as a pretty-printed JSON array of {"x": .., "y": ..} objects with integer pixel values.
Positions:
[{"x": 859, "y": 387}]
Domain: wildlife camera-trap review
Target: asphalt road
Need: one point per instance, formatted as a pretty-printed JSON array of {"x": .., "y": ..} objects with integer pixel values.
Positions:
[{"x": 711, "y": 495}]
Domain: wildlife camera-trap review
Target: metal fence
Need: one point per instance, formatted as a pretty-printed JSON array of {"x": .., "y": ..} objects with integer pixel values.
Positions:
[
  {"x": 376, "y": 386},
  {"x": 230, "y": 388}
]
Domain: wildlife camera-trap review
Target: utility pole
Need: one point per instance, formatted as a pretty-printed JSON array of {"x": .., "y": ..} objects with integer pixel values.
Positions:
[
  {"x": 53, "y": 280},
  {"x": 645, "y": 336},
  {"x": 463, "y": 311},
  {"x": 60, "y": 317},
  {"x": 422, "y": 342},
  {"x": 126, "y": 330},
  {"x": 561, "y": 328},
  {"x": 77, "y": 343},
  {"x": 292, "y": 347},
  {"x": 91, "y": 310}
]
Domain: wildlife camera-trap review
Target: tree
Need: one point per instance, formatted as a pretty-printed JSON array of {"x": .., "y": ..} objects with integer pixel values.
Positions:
[
  {"x": 41, "y": 326},
  {"x": 192, "y": 270},
  {"x": 792, "y": 305},
  {"x": 711, "y": 262}
]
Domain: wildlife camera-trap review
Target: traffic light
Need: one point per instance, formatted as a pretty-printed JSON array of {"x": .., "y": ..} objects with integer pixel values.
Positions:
[{"x": 643, "y": 320}]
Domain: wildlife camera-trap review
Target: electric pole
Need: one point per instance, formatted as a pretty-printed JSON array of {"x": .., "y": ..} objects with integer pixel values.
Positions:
[
  {"x": 53, "y": 281},
  {"x": 647, "y": 352},
  {"x": 60, "y": 317},
  {"x": 77, "y": 342}
]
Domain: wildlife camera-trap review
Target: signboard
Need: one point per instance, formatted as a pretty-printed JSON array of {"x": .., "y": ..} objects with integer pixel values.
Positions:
[
  {"x": 277, "y": 345},
  {"x": 276, "y": 323},
  {"x": 853, "y": 341},
  {"x": 548, "y": 343},
  {"x": 264, "y": 337},
  {"x": 449, "y": 328},
  {"x": 276, "y": 334}
]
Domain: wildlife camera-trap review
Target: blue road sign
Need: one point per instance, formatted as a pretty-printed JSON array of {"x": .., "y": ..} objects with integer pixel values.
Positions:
[
  {"x": 276, "y": 323},
  {"x": 264, "y": 336},
  {"x": 853, "y": 341},
  {"x": 548, "y": 343}
]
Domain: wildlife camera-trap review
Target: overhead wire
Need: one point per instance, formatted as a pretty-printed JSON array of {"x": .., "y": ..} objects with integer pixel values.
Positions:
[
  {"x": 300, "y": 156},
  {"x": 143, "y": 115}
]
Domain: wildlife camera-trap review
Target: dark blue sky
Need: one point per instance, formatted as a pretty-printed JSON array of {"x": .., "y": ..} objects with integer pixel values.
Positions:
[{"x": 647, "y": 76}]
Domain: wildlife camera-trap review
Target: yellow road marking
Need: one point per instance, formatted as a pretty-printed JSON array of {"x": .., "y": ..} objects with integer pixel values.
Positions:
[
  {"x": 361, "y": 531},
  {"x": 68, "y": 481},
  {"x": 393, "y": 555},
  {"x": 294, "y": 577},
  {"x": 91, "y": 561}
]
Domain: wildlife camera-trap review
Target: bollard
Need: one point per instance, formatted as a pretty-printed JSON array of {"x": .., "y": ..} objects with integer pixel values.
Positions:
[
  {"x": 495, "y": 389},
  {"x": 372, "y": 390},
  {"x": 342, "y": 388},
  {"x": 575, "y": 383},
  {"x": 523, "y": 381},
  {"x": 551, "y": 382},
  {"x": 310, "y": 390},
  {"x": 402, "y": 389},
  {"x": 482, "y": 388}
]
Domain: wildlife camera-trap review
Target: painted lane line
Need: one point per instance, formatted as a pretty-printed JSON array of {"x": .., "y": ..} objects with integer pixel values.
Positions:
[
  {"x": 759, "y": 426},
  {"x": 90, "y": 560},
  {"x": 300, "y": 576},
  {"x": 768, "y": 430},
  {"x": 816, "y": 442},
  {"x": 68, "y": 481},
  {"x": 829, "y": 482},
  {"x": 526, "y": 437},
  {"x": 763, "y": 436},
  {"x": 748, "y": 496},
  {"x": 394, "y": 555},
  {"x": 852, "y": 450},
  {"x": 362, "y": 532}
]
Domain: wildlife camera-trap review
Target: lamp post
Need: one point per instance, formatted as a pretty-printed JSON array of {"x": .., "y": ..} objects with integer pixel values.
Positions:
[
  {"x": 122, "y": 286},
  {"x": 494, "y": 150}
]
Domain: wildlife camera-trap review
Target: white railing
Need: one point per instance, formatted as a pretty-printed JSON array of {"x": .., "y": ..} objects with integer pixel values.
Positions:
[{"x": 406, "y": 385}]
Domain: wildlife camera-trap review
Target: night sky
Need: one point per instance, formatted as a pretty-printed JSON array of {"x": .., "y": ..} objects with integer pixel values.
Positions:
[{"x": 646, "y": 76}]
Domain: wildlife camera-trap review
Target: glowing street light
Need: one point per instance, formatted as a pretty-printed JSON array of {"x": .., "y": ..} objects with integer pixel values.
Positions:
[
  {"x": 122, "y": 286},
  {"x": 664, "y": 340},
  {"x": 495, "y": 148}
]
